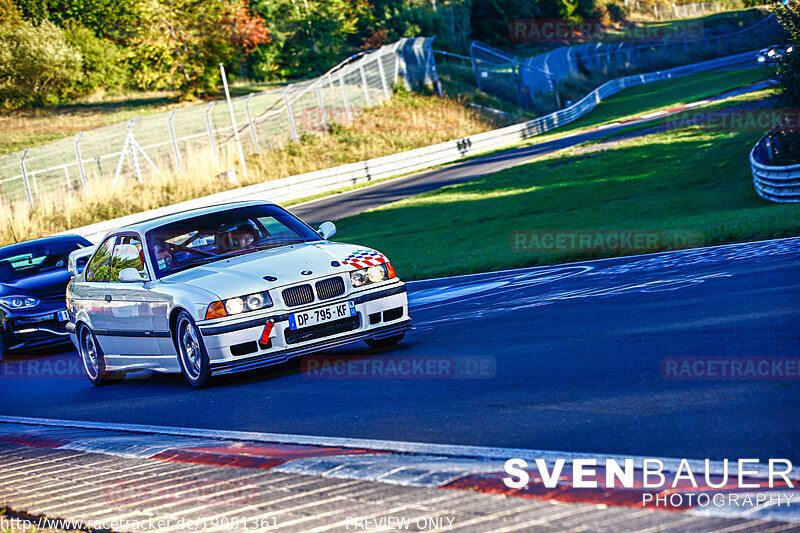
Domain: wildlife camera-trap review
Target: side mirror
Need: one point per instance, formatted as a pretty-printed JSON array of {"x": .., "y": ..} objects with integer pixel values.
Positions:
[
  {"x": 131, "y": 275},
  {"x": 327, "y": 230}
]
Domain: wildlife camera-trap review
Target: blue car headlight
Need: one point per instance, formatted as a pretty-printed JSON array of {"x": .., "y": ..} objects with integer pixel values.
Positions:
[{"x": 19, "y": 303}]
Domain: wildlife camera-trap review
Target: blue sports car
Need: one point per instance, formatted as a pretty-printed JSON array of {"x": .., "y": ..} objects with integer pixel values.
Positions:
[{"x": 33, "y": 282}]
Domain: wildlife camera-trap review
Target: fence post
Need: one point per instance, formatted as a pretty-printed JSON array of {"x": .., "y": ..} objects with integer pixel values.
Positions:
[
  {"x": 80, "y": 159},
  {"x": 236, "y": 138},
  {"x": 386, "y": 92},
  {"x": 475, "y": 70},
  {"x": 125, "y": 147},
  {"x": 211, "y": 132},
  {"x": 348, "y": 113},
  {"x": 397, "y": 58},
  {"x": 289, "y": 113},
  {"x": 66, "y": 175},
  {"x": 250, "y": 122},
  {"x": 367, "y": 102},
  {"x": 25, "y": 177},
  {"x": 175, "y": 150},
  {"x": 322, "y": 110}
]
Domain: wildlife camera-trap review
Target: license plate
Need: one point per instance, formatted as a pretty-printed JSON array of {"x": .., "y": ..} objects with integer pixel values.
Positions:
[
  {"x": 322, "y": 315},
  {"x": 63, "y": 316}
]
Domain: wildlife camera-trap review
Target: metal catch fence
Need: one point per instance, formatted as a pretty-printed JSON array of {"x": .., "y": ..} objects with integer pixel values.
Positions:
[
  {"x": 520, "y": 81},
  {"x": 167, "y": 141}
]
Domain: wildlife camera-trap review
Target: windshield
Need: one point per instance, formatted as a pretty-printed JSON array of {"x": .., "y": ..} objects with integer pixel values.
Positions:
[
  {"x": 207, "y": 238},
  {"x": 28, "y": 259}
]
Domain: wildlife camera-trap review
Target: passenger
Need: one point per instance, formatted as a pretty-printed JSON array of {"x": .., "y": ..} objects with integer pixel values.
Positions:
[{"x": 163, "y": 254}]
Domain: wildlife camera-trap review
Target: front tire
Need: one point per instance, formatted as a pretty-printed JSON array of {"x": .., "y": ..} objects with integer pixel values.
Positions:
[
  {"x": 386, "y": 341},
  {"x": 94, "y": 362},
  {"x": 192, "y": 354}
]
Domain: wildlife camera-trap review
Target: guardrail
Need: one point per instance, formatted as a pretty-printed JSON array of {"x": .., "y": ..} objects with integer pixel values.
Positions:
[
  {"x": 331, "y": 179},
  {"x": 774, "y": 183}
]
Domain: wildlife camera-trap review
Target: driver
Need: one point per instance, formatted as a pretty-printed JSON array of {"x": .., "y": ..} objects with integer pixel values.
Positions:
[
  {"x": 242, "y": 238},
  {"x": 163, "y": 255}
]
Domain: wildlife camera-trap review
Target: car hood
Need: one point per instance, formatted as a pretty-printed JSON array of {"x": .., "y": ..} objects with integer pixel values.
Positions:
[
  {"x": 247, "y": 273},
  {"x": 45, "y": 286}
]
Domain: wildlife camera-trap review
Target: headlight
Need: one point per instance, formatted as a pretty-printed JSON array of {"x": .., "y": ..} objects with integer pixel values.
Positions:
[
  {"x": 771, "y": 53},
  {"x": 789, "y": 50},
  {"x": 358, "y": 278},
  {"x": 241, "y": 304},
  {"x": 19, "y": 302},
  {"x": 373, "y": 274},
  {"x": 377, "y": 273},
  {"x": 761, "y": 59},
  {"x": 234, "y": 306}
]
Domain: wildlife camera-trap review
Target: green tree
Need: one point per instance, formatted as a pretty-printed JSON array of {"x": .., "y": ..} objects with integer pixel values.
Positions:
[
  {"x": 102, "y": 65},
  {"x": 789, "y": 77},
  {"x": 38, "y": 65},
  {"x": 108, "y": 19},
  {"x": 789, "y": 67},
  {"x": 180, "y": 43}
]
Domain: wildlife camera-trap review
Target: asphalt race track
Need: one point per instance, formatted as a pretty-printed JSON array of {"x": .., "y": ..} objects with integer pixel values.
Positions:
[{"x": 569, "y": 358}]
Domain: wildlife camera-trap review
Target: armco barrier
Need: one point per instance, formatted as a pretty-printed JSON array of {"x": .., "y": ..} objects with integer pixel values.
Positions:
[
  {"x": 774, "y": 183},
  {"x": 330, "y": 179}
]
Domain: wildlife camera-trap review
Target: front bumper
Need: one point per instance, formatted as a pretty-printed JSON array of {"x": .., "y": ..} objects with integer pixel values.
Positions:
[
  {"x": 380, "y": 313},
  {"x": 34, "y": 329}
]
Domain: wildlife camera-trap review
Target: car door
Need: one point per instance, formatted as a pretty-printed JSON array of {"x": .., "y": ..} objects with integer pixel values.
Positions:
[
  {"x": 90, "y": 296},
  {"x": 129, "y": 302}
]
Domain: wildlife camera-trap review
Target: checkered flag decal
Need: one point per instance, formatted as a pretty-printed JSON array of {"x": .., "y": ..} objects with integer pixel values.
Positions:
[{"x": 364, "y": 259}]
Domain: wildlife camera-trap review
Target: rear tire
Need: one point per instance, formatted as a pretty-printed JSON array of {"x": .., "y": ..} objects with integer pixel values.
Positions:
[
  {"x": 192, "y": 354},
  {"x": 386, "y": 341},
  {"x": 94, "y": 362}
]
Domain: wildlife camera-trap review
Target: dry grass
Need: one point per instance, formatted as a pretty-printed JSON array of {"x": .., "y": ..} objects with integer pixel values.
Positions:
[{"x": 407, "y": 121}]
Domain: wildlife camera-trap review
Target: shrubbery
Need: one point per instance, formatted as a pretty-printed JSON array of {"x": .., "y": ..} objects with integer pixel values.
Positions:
[
  {"x": 38, "y": 64},
  {"x": 789, "y": 77},
  {"x": 57, "y": 50}
]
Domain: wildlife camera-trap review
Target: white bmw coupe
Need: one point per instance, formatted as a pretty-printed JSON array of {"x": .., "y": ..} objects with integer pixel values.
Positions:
[{"x": 224, "y": 289}]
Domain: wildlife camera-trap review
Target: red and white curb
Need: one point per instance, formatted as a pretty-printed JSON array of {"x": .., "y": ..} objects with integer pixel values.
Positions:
[{"x": 404, "y": 463}]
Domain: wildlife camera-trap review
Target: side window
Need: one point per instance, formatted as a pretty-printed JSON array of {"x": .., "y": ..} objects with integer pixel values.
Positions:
[
  {"x": 98, "y": 268},
  {"x": 127, "y": 254}
]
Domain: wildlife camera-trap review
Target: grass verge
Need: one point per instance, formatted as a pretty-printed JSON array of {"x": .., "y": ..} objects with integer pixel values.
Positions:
[{"x": 691, "y": 181}]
